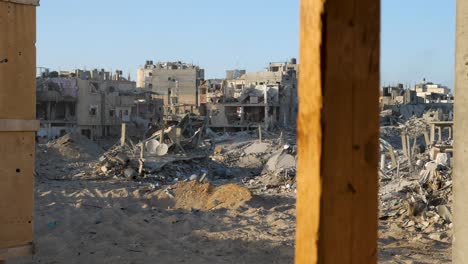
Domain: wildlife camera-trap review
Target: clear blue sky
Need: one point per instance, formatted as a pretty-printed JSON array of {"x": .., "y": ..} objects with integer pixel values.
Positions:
[
  {"x": 123, "y": 34},
  {"x": 417, "y": 35},
  {"x": 418, "y": 41}
]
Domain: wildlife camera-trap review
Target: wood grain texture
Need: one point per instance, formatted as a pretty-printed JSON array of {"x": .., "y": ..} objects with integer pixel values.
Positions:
[
  {"x": 338, "y": 142},
  {"x": 17, "y": 61},
  {"x": 11, "y": 125},
  {"x": 309, "y": 133},
  {"x": 17, "y": 102},
  {"x": 23, "y": 2},
  {"x": 14, "y": 252},
  {"x": 460, "y": 154},
  {"x": 16, "y": 188}
]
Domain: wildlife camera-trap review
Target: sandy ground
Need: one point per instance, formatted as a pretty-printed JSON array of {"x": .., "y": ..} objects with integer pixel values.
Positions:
[
  {"x": 397, "y": 246},
  {"x": 105, "y": 222},
  {"x": 112, "y": 222},
  {"x": 120, "y": 221}
]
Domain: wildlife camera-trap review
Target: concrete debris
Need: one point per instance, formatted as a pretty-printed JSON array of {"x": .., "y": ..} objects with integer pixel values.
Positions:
[
  {"x": 76, "y": 147},
  {"x": 443, "y": 159},
  {"x": 417, "y": 192},
  {"x": 256, "y": 148},
  {"x": 122, "y": 158},
  {"x": 162, "y": 149},
  {"x": 130, "y": 173},
  {"x": 152, "y": 145}
]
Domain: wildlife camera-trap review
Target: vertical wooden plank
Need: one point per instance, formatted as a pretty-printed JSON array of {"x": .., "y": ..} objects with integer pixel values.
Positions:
[
  {"x": 460, "y": 153},
  {"x": 17, "y": 101},
  {"x": 18, "y": 61},
  {"x": 16, "y": 188},
  {"x": 338, "y": 142},
  {"x": 309, "y": 133}
]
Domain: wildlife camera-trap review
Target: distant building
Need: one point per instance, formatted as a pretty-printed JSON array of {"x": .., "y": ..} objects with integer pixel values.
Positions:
[
  {"x": 177, "y": 82},
  {"x": 249, "y": 99},
  {"x": 92, "y": 104},
  {"x": 429, "y": 87},
  {"x": 433, "y": 93},
  {"x": 423, "y": 93}
]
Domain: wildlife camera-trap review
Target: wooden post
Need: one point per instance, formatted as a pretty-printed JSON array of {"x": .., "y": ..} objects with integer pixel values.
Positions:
[
  {"x": 17, "y": 126},
  {"x": 123, "y": 134},
  {"x": 460, "y": 177},
  {"x": 338, "y": 130}
]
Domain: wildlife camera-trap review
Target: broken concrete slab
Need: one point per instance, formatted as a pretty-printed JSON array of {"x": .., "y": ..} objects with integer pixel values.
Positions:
[
  {"x": 445, "y": 213},
  {"x": 443, "y": 159},
  {"x": 286, "y": 161},
  {"x": 257, "y": 148},
  {"x": 280, "y": 161}
]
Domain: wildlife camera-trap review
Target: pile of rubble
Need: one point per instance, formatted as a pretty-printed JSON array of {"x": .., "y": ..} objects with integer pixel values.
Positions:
[
  {"x": 416, "y": 184},
  {"x": 184, "y": 152},
  {"x": 76, "y": 147}
]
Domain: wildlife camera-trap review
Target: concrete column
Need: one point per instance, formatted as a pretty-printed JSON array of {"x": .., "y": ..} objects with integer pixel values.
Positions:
[
  {"x": 460, "y": 175},
  {"x": 439, "y": 130},
  {"x": 450, "y": 132},
  {"x": 432, "y": 133},
  {"x": 404, "y": 144}
]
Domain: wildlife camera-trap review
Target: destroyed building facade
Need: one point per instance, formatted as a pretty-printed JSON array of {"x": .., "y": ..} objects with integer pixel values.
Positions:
[
  {"x": 177, "y": 82},
  {"x": 252, "y": 99},
  {"x": 94, "y": 103},
  {"x": 432, "y": 101}
]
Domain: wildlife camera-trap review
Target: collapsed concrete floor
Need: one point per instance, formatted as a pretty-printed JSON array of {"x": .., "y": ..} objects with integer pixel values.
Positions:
[{"x": 243, "y": 212}]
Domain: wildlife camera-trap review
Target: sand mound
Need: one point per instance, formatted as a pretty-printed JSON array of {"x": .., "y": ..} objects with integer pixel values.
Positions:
[
  {"x": 76, "y": 146},
  {"x": 203, "y": 196}
]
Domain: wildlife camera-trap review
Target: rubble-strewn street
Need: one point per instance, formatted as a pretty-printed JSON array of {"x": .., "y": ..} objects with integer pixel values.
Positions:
[
  {"x": 415, "y": 192},
  {"x": 230, "y": 200},
  {"x": 224, "y": 197}
]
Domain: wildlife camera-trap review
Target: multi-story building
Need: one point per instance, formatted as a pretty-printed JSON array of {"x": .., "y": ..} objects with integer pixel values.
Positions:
[
  {"x": 266, "y": 98},
  {"x": 93, "y": 106},
  {"x": 432, "y": 93},
  {"x": 177, "y": 82}
]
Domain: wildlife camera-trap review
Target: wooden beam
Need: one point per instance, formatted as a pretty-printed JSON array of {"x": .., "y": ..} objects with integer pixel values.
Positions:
[
  {"x": 11, "y": 125},
  {"x": 13, "y": 252},
  {"x": 460, "y": 154},
  {"x": 338, "y": 130},
  {"x": 23, "y": 2},
  {"x": 17, "y": 103}
]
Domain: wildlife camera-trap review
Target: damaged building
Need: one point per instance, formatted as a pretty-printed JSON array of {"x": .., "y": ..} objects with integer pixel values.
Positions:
[
  {"x": 178, "y": 82},
  {"x": 419, "y": 101},
  {"x": 93, "y": 103},
  {"x": 252, "y": 99}
]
